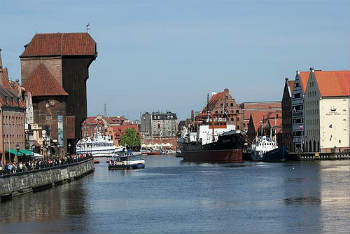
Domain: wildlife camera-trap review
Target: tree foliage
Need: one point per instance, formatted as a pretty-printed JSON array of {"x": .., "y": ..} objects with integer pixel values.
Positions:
[{"x": 130, "y": 138}]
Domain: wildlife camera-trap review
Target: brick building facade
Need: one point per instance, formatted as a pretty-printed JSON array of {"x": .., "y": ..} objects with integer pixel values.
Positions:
[
  {"x": 12, "y": 115},
  {"x": 222, "y": 105},
  {"x": 94, "y": 124},
  {"x": 54, "y": 69}
]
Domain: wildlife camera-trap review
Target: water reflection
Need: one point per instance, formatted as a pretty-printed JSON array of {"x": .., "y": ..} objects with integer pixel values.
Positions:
[
  {"x": 170, "y": 196},
  {"x": 53, "y": 205}
]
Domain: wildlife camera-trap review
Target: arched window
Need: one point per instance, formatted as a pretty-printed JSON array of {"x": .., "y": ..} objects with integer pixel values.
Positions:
[
  {"x": 314, "y": 146},
  {"x": 310, "y": 146}
]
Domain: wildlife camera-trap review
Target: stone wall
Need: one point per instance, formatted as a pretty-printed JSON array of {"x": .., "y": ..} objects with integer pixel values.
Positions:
[{"x": 22, "y": 183}]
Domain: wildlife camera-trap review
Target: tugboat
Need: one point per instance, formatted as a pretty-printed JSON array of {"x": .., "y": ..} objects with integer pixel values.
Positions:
[
  {"x": 265, "y": 149},
  {"x": 125, "y": 160}
]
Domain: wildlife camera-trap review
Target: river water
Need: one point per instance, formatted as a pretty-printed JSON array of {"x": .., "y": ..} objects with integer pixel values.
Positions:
[{"x": 170, "y": 196}]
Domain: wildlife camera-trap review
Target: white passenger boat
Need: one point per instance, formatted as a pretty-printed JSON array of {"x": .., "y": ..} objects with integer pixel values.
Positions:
[{"x": 98, "y": 146}]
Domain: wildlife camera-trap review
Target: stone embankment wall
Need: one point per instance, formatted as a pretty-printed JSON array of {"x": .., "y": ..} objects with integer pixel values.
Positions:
[{"x": 18, "y": 184}]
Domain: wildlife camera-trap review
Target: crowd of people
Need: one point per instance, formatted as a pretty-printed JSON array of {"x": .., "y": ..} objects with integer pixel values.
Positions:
[{"x": 12, "y": 168}]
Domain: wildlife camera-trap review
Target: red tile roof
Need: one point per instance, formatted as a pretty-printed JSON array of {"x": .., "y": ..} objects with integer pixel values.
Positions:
[
  {"x": 59, "y": 44},
  {"x": 291, "y": 85},
  {"x": 304, "y": 77},
  {"x": 42, "y": 83},
  {"x": 333, "y": 83},
  {"x": 263, "y": 107},
  {"x": 212, "y": 102},
  {"x": 259, "y": 116}
]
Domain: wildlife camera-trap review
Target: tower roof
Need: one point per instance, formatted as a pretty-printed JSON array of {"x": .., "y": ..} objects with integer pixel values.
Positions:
[
  {"x": 60, "y": 44},
  {"x": 42, "y": 83}
]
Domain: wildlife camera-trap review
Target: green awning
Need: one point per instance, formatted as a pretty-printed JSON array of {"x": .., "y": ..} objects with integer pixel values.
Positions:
[
  {"x": 15, "y": 152},
  {"x": 27, "y": 152}
]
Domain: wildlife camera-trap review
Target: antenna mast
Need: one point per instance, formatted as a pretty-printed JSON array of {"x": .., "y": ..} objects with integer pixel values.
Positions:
[{"x": 88, "y": 27}]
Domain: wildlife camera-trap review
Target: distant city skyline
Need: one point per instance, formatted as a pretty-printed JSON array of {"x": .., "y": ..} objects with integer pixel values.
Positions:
[{"x": 161, "y": 55}]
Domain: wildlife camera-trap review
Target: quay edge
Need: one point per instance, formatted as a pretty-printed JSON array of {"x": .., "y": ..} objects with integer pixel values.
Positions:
[
  {"x": 18, "y": 184},
  {"x": 307, "y": 156}
]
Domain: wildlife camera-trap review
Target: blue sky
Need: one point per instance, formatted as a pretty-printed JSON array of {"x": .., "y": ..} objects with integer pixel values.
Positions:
[{"x": 167, "y": 55}]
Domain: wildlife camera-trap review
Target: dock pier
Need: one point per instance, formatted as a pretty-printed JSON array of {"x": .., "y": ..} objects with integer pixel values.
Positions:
[{"x": 309, "y": 156}]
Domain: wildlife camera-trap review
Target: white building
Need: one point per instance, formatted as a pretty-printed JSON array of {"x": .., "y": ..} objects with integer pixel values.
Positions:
[{"x": 326, "y": 111}]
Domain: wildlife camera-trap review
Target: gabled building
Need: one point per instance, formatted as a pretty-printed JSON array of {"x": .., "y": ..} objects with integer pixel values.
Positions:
[
  {"x": 257, "y": 110},
  {"x": 55, "y": 69},
  {"x": 99, "y": 124},
  {"x": 12, "y": 116},
  {"x": 301, "y": 80},
  {"x": 222, "y": 106},
  {"x": 287, "y": 127},
  {"x": 265, "y": 123},
  {"x": 327, "y": 106}
]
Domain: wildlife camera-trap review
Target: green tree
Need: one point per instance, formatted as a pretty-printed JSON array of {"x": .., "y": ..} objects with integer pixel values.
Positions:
[{"x": 130, "y": 138}]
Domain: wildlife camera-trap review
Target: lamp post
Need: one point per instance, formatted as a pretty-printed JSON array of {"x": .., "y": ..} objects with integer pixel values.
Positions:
[
  {"x": 17, "y": 149},
  {"x": 69, "y": 151}
]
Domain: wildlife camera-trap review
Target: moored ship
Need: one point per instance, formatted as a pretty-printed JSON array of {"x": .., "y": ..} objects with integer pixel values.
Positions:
[
  {"x": 228, "y": 148},
  {"x": 265, "y": 149},
  {"x": 98, "y": 146}
]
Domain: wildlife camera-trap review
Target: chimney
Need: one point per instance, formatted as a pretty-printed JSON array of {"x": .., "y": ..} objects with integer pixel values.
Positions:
[{"x": 226, "y": 91}]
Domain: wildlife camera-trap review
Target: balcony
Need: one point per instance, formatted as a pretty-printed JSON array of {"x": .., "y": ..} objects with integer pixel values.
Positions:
[
  {"x": 297, "y": 114},
  {"x": 298, "y": 127},
  {"x": 297, "y": 101}
]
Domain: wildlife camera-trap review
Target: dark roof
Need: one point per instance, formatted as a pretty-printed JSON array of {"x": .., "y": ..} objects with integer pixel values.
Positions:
[
  {"x": 42, "y": 83},
  {"x": 60, "y": 44},
  {"x": 163, "y": 116}
]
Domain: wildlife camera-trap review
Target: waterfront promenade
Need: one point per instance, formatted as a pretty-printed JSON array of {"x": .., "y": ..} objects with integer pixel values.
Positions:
[
  {"x": 40, "y": 174},
  {"x": 170, "y": 196}
]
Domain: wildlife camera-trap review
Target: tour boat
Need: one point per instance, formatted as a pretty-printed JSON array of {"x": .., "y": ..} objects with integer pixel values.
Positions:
[
  {"x": 98, "y": 146},
  {"x": 126, "y": 160}
]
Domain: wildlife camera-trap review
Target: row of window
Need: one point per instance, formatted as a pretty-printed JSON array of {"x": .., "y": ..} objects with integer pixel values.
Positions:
[
  {"x": 11, "y": 120},
  {"x": 12, "y": 135},
  {"x": 231, "y": 104}
]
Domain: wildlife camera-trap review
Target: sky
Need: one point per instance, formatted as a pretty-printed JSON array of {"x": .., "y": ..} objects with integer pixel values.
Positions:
[{"x": 162, "y": 55}]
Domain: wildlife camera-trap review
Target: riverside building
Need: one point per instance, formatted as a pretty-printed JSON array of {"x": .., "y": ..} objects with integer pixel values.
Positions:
[
  {"x": 327, "y": 106},
  {"x": 159, "y": 128},
  {"x": 287, "y": 126},
  {"x": 301, "y": 80},
  {"x": 55, "y": 68},
  {"x": 12, "y": 116}
]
